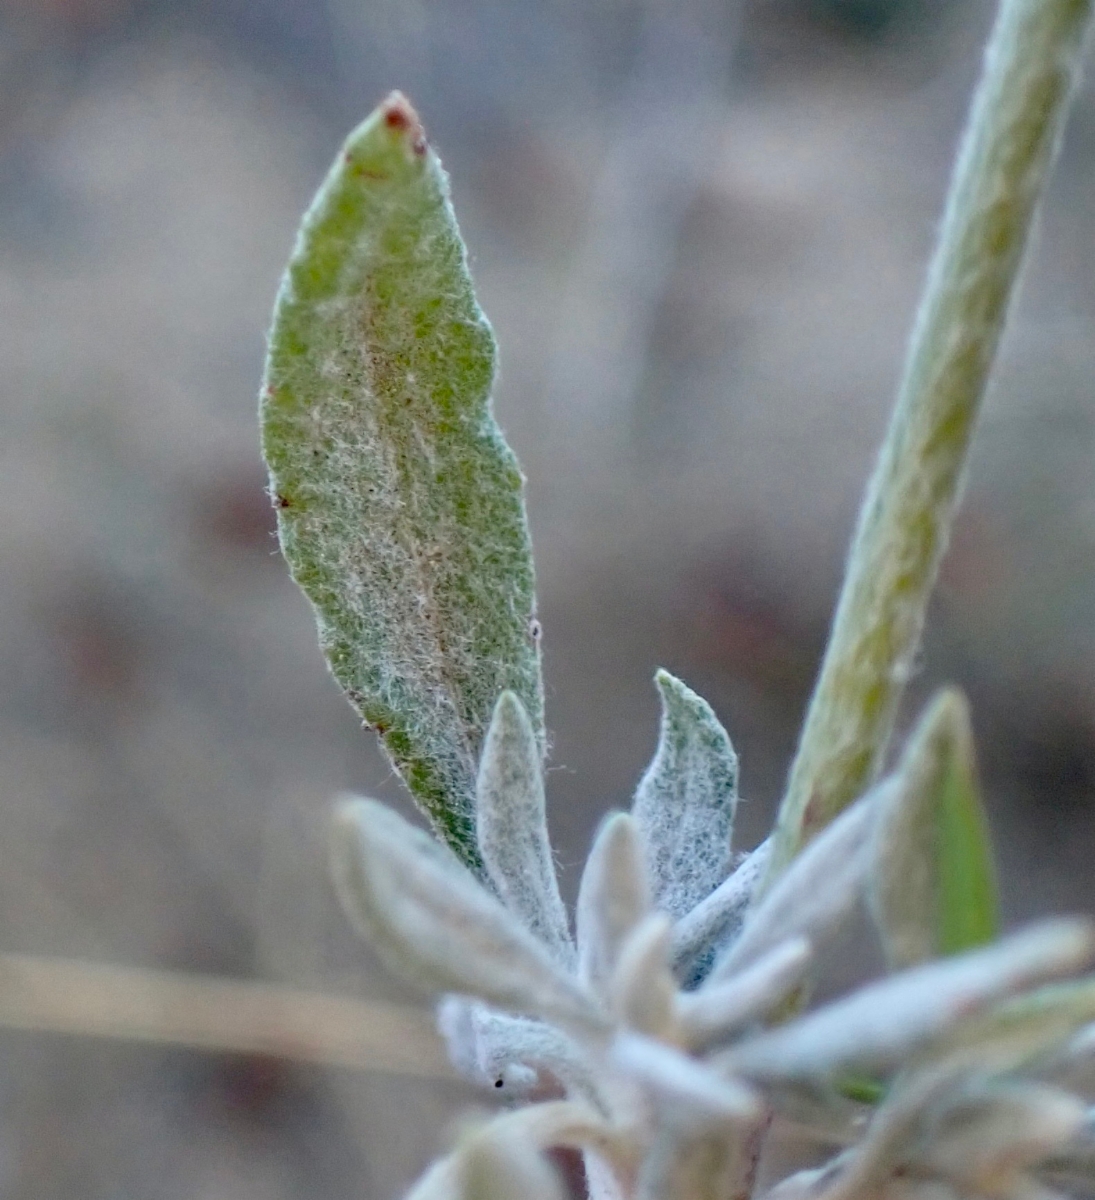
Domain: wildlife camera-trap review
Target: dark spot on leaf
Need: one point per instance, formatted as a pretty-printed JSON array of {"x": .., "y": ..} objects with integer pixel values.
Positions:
[
  {"x": 399, "y": 115},
  {"x": 395, "y": 117}
]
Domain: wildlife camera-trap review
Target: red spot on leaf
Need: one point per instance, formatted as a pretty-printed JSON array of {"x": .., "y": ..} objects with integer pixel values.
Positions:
[{"x": 398, "y": 114}]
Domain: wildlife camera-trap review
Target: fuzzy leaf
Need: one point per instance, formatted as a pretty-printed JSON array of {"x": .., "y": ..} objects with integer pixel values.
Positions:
[
  {"x": 689, "y": 1093},
  {"x": 685, "y": 803},
  {"x": 612, "y": 899},
  {"x": 508, "y": 1053},
  {"x": 816, "y": 892},
  {"x": 643, "y": 989},
  {"x": 513, "y": 836},
  {"x": 399, "y": 503},
  {"x": 437, "y": 926},
  {"x": 933, "y": 883},
  {"x": 703, "y": 931},
  {"x": 878, "y": 1027},
  {"x": 720, "y": 1009}
]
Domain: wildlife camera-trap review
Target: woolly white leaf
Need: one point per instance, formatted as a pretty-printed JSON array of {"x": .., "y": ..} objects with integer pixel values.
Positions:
[
  {"x": 689, "y": 1095},
  {"x": 879, "y": 1026},
  {"x": 507, "y": 1054},
  {"x": 512, "y": 826},
  {"x": 433, "y": 922},
  {"x": 720, "y": 1009},
  {"x": 612, "y": 899},
  {"x": 643, "y": 989},
  {"x": 816, "y": 892},
  {"x": 717, "y": 919},
  {"x": 684, "y": 805}
]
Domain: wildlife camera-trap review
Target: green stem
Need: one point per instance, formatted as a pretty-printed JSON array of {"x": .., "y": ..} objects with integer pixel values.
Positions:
[{"x": 1030, "y": 68}]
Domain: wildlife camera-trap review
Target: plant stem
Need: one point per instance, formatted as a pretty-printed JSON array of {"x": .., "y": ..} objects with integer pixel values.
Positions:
[{"x": 1031, "y": 65}]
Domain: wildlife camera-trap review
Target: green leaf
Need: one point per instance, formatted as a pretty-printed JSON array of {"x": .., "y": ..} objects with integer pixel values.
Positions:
[
  {"x": 861, "y": 1088},
  {"x": 399, "y": 504},
  {"x": 933, "y": 883}
]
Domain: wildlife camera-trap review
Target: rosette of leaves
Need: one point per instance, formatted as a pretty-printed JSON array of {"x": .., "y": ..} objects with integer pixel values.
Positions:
[
  {"x": 656, "y": 1039},
  {"x": 665, "y": 1033}
]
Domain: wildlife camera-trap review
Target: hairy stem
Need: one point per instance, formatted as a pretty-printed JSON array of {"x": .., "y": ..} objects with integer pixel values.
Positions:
[{"x": 1030, "y": 67}]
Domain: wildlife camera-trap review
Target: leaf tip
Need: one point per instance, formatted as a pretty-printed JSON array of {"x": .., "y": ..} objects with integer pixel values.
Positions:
[
  {"x": 675, "y": 694},
  {"x": 509, "y": 712},
  {"x": 348, "y": 855},
  {"x": 398, "y": 114}
]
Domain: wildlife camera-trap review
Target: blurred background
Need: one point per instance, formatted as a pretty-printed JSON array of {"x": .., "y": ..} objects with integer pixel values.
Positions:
[{"x": 699, "y": 227}]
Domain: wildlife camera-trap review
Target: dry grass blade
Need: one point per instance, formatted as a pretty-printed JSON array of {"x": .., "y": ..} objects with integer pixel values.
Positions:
[{"x": 57, "y": 995}]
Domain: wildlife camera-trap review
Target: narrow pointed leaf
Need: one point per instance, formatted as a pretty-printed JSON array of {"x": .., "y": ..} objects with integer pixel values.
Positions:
[
  {"x": 399, "y": 503},
  {"x": 688, "y": 1092},
  {"x": 715, "y": 1012},
  {"x": 685, "y": 803},
  {"x": 880, "y": 1026},
  {"x": 933, "y": 879},
  {"x": 437, "y": 926},
  {"x": 706, "y": 929},
  {"x": 512, "y": 826},
  {"x": 643, "y": 988},
  {"x": 816, "y": 893},
  {"x": 612, "y": 899}
]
